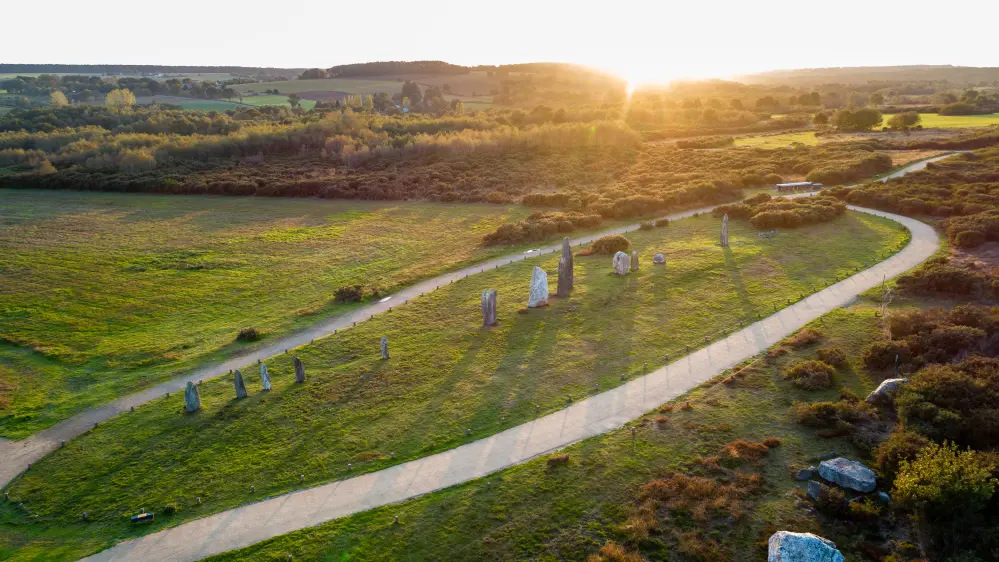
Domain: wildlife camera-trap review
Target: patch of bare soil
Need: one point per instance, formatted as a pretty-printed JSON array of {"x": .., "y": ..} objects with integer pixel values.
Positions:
[{"x": 983, "y": 258}]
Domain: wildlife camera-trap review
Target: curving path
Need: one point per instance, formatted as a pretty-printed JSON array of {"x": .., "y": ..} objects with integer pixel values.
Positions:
[{"x": 598, "y": 414}]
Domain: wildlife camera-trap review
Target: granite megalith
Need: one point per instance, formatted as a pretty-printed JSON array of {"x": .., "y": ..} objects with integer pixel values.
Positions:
[
  {"x": 787, "y": 546},
  {"x": 489, "y": 307},
  {"x": 299, "y": 370},
  {"x": 192, "y": 398},
  {"x": 265, "y": 377},
  {"x": 237, "y": 381},
  {"x": 724, "y": 232},
  {"x": 848, "y": 474},
  {"x": 539, "y": 289},
  {"x": 622, "y": 263}
]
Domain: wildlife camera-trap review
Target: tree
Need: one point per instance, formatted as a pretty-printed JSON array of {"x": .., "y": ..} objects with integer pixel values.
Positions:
[
  {"x": 120, "y": 99},
  {"x": 736, "y": 103},
  {"x": 411, "y": 90},
  {"x": 58, "y": 99},
  {"x": 457, "y": 106},
  {"x": 820, "y": 118},
  {"x": 877, "y": 99},
  {"x": 22, "y": 102},
  {"x": 369, "y": 102},
  {"x": 904, "y": 121},
  {"x": 863, "y": 119},
  {"x": 294, "y": 100},
  {"x": 767, "y": 102}
]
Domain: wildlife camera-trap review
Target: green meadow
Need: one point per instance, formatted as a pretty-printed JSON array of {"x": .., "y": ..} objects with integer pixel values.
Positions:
[
  {"x": 446, "y": 374},
  {"x": 932, "y": 120},
  {"x": 535, "y": 511},
  {"x": 778, "y": 141},
  {"x": 103, "y": 294}
]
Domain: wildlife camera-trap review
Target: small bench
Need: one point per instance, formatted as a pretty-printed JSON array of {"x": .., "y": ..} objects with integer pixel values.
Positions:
[{"x": 142, "y": 518}]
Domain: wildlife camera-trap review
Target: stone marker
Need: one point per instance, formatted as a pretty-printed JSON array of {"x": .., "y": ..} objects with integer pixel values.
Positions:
[
  {"x": 786, "y": 546},
  {"x": 299, "y": 370},
  {"x": 724, "y": 232},
  {"x": 815, "y": 489},
  {"x": 489, "y": 307},
  {"x": 848, "y": 474},
  {"x": 885, "y": 392},
  {"x": 566, "y": 277},
  {"x": 634, "y": 260},
  {"x": 237, "y": 381},
  {"x": 264, "y": 377},
  {"x": 539, "y": 289},
  {"x": 622, "y": 263},
  {"x": 659, "y": 259},
  {"x": 192, "y": 398},
  {"x": 385, "y": 354}
]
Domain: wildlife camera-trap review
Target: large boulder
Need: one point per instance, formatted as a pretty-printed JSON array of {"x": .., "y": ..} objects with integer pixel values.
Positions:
[
  {"x": 786, "y": 546},
  {"x": 539, "y": 288},
  {"x": 848, "y": 474},
  {"x": 885, "y": 392},
  {"x": 622, "y": 263}
]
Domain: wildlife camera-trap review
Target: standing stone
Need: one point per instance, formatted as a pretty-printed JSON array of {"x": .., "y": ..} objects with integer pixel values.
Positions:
[
  {"x": 724, "y": 232},
  {"x": 299, "y": 370},
  {"x": 192, "y": 398},
  {"x": 240, "y": 387},
  {"x": 659, "y": 259},
  {"x": 622, "y": 263},
  {"x": 566, "y": 278},
  {"x": 539, "y": 289},
  {"x": 264, "y": 377},
  {"x": 385, "y": 354},
  {"x": 489, "y": 307},
  {"x": 634, "y": 260},
  {"x": 785, "y": 546}
]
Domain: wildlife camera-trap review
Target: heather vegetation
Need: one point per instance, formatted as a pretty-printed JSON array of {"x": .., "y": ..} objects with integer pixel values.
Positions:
[{"x": 766, "y": 212}]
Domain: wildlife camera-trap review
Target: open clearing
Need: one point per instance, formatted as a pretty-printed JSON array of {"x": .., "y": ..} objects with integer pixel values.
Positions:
[
  {"x": 778, "y": 141},
  {"x": 932, "y": 120},
  {"x": 103, "y": 294},
  {"x": 191, "y": 103},
  {"x": 349, "y": 85},
  {"x": 538, "y": 512},
  {"x": 446, "y": 374},
  {"x": 272, "y": 99}
]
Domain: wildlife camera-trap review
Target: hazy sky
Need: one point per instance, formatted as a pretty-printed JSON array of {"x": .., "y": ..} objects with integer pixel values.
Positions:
[{"x": 651, "y": 40}]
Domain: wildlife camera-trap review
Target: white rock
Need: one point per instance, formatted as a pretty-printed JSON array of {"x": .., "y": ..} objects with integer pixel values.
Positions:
[
  {"x": 848, "y": 474},
  {"x": 786, "y": 546},
  {"x": 539, "y": 288},
  {"x": 885, "y": 392},
  {"x": 659, "y": 259},
  {"x": 622, "y": 263}
]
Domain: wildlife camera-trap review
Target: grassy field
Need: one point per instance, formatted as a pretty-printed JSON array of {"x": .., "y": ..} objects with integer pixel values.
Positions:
[
  {"x": 535, "y": 512},
  {"x": 932, "y": 120},
  {"x": 276, "y": 100},
  {"x": 103, "y": 294},
  {"x": 349, "y": 85},
  {"x": 446, "y": 374},
  {"x": 191, "y": 103},
  {"x": 778, "y": 141}
]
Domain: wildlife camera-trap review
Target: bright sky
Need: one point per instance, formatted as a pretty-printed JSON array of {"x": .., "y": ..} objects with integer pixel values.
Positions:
[{"x": 656, "y": 40}]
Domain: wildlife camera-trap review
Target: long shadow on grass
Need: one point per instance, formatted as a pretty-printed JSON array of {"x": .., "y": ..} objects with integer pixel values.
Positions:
[{"x": 735, "y": 276}]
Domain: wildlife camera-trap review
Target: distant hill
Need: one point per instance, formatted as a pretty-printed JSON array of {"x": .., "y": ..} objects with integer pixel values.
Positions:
[
  {"x": 137, "y": 69},
  {"x": 970, "y": 75}
]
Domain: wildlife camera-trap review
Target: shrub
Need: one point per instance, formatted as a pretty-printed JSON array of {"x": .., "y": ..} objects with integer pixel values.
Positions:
[
  {"x": 740, "y": 451},
  {"x": 804, "y": 337},
  {"x": 881, "y": 354},
  {"x": 661, "y": 222},
  {"x": 560, "y": 459},
  {"x": 248, "y": 335},
  {"x": 810, "y": 374},
  {"x": 610, "y": 244},
  {"x": 832, "y": 414},
  {"x": 772, "y": 442},
  {"x": 646, "y": 226},
  {"x": 350, "y": 293},
  {"x": 943, "y": 480},
  {"x": 969, "y": 239},
  {"x": 613, "y": 552},
  {"x": 901, "y": 445},
  {"x": 831, "y": 355},
  {"x": 170, "y": 509}
]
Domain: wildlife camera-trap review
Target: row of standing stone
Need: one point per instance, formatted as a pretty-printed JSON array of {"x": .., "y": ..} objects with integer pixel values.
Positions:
[{"x": 192, "y": 397}]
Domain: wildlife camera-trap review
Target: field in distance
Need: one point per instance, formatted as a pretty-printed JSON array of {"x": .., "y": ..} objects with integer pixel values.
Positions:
[{"x": 107, "y": 293}]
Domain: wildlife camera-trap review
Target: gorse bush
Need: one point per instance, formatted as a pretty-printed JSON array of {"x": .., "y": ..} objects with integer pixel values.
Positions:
[
  {"x": 539, "y": 226},
  {"x": 944, "y": 481},
  {"x": 810, "y": 374},
  {"x": 780, "y": 212},
  {"x": 249, "y": 335},
  {"x": 351, "y": 293},
  {"x": 610, "y": 244}
]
